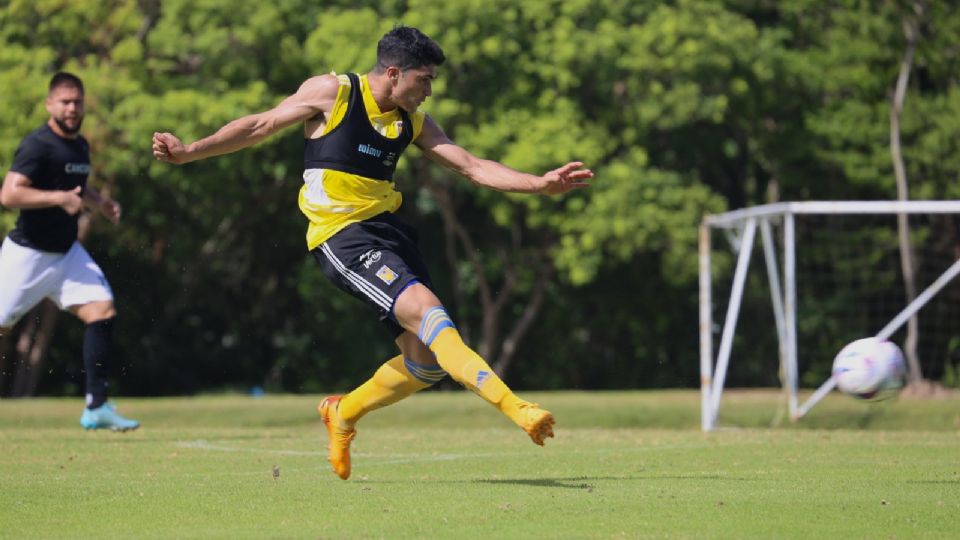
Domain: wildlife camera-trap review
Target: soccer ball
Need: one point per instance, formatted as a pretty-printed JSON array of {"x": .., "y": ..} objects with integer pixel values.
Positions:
[{"x": 870, "y": 368}]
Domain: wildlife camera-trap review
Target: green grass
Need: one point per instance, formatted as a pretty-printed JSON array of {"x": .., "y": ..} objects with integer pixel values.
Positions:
[{"x": 445, "y": 465}]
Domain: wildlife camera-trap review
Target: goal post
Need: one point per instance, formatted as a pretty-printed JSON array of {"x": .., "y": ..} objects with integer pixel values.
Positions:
[{"x": 740, "y": 228}]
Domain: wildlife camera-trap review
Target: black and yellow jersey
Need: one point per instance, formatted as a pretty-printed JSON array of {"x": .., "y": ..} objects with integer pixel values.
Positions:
[{"x": 348, "y": 170}]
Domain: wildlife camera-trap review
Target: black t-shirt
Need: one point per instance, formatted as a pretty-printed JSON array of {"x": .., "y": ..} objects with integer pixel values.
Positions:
[{"x": 55, "y": 164}]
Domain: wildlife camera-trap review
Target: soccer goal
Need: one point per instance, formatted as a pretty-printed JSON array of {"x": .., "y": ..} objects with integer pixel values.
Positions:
[{"x": 842, "y": 279}]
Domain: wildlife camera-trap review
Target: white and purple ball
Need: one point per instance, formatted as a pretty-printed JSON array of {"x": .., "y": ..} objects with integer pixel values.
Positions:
[{"x": 870, "y": 368}]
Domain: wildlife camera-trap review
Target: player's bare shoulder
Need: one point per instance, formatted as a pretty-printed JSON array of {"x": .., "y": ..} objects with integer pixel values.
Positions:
[{"x": 321, "y": 93}]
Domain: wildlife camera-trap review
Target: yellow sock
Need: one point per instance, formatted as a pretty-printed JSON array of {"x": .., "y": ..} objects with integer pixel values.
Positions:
[
  {"x": 469, "y": 369},
  {"x": 393, "y": 381}
]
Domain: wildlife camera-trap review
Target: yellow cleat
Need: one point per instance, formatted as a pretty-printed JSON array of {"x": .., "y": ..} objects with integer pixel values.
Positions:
[
  {"x": 340, "y": 438},
  {"x": 537, "y": 422}
]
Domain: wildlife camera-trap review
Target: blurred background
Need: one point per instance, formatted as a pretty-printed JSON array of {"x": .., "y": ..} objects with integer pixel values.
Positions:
[{"x": 681, "y": 108}]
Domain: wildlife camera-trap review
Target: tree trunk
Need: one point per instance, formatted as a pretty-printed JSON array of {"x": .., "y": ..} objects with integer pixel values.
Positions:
[
  {"x": 32, "y": 345},
  {"x": 910, "y": 31},
  {"x": 529, "y": 316},
  {"x": 493, "y": 300},
  {"x": 6, "y": 360}
]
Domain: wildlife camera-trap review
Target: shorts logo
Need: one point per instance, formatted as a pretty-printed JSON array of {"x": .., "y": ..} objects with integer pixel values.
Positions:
[
  {"x": 482, "y": 377},
  {"x": 369, "y": 258},
  {"x": 387, "y": 275}
]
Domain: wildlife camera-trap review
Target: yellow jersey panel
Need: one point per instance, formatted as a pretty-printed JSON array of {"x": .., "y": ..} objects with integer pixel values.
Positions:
[{"x": 332, "y": 199}]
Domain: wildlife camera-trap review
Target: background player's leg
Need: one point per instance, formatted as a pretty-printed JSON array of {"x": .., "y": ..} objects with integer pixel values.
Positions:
[{"x": 99, "y": 317}]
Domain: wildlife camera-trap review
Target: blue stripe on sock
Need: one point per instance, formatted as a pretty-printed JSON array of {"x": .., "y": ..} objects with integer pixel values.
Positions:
[
  {"x": 424, "y": 375},
  {"x": 435, "y": 320}
]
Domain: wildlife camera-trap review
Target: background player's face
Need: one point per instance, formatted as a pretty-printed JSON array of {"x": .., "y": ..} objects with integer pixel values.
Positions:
[
  {"x": 65, "y": 105},
  {"x": 414, "y": 86}
]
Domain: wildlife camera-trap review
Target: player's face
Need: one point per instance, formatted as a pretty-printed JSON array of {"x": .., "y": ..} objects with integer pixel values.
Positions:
[
  {"x": 414, "y": 86},
  {"x": 65, "y": 105}
]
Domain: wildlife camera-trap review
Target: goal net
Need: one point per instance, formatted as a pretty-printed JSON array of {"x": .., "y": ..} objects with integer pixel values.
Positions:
[{"x": 784, "y": 286}]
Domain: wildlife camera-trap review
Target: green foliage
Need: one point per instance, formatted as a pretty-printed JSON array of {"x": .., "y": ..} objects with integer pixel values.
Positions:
[
  {"x": 951, "y": 368},
  {"x": 680, "y": 108}
]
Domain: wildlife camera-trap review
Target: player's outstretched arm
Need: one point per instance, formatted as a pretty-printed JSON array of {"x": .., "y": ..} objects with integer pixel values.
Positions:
[
  {"x": 315, "y": 96},
  {"x": 484, "y": 172}
]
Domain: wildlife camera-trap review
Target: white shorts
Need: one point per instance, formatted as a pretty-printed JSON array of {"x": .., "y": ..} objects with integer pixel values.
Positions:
[{"x": 27, "y": 276}]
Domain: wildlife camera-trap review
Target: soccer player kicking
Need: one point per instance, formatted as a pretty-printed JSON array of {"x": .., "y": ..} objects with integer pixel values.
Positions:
[
  {"x": 356, "y": 127},
  {"x": 41, "y": 257}
]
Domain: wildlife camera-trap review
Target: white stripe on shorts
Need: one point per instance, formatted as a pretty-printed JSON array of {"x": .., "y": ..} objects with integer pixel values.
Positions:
[{"x": 371, "y": 291}]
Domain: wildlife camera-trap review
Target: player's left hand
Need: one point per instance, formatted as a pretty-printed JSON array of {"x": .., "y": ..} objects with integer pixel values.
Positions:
[
  {"x": 567, "y": 178},
  {"x": 167, "y": 147},
  {"x": 111, "y": 210}
]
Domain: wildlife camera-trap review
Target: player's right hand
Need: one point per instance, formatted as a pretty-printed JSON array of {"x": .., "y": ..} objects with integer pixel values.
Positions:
[
  {"x": 166, "y": 147},
  {"x": 567, "y": 178},
  {"x": 72, "y": 201}
]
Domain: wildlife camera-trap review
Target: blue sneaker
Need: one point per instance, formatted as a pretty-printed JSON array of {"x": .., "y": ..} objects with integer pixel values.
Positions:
[{"x": 105, "y": 416}]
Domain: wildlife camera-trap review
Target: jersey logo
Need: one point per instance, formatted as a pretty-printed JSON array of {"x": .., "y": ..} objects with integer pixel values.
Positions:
[
  {"x": 369, "y": 150},
  {"x": 386, "y": 275},
  {"x": 77, "y": 168},
  {"x": 391, "y": 157}
]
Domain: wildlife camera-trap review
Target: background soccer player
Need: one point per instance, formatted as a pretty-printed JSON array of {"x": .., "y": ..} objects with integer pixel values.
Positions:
[
  {"x": 41, "y": 257},
  {"x": 356, "y": 127}
]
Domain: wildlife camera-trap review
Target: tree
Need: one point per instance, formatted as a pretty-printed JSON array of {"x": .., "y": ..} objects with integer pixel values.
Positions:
[
  {"x": 680, "y": 108},
  {"x": 910, "y": 32}
]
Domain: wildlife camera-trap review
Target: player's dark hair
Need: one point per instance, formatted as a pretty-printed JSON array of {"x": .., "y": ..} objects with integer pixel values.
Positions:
[
  {"x": 407, "y": 48},
  {"x": 62, "y": 78}
]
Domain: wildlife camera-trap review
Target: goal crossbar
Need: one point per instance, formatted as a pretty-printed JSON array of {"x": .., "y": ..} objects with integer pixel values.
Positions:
[{"x": 741, "y": 226}]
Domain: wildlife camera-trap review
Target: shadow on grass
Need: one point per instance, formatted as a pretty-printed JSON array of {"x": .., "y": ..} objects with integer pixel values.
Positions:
[
  {"x": 955, "y": 481},
  {"x": 568, "y": 483},
  {"x": 583, "y": 482},
  {"x": 577, "y": 482}
]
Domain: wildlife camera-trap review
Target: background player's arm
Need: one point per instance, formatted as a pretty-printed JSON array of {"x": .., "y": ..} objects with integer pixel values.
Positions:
[
  {"x": 315, "y": 96},
  {"x": 107, "y": 206},
  {"x": 17, "y": 192},
  {"x": 484, "y": 172}
]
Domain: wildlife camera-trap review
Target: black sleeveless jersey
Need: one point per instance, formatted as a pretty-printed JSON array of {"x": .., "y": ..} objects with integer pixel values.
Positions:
[
  {"x": 354, "y": 146},
  {"x": 51, "y": 163}
]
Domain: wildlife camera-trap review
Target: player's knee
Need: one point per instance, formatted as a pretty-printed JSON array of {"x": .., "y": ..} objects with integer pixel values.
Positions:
[
  {"x": 413, "y": 304},
  {"x": 96, "y": 311},
  {"x": 108, "y": 312}
]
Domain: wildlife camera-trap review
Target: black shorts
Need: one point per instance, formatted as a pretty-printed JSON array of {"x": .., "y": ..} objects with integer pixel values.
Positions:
[{"x": 374, "y": 260}]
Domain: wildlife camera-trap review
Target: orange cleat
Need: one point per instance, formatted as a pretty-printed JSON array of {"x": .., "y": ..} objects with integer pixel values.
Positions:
[
  {"x": 340, "y": 438},
  {"x": 537, "y": 422}
]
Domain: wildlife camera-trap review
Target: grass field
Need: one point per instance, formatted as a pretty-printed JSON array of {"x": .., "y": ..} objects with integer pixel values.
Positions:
[{"x": 445, "y": 465}]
